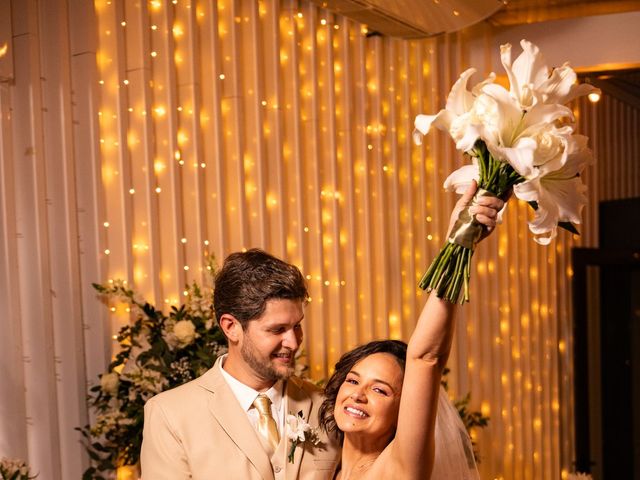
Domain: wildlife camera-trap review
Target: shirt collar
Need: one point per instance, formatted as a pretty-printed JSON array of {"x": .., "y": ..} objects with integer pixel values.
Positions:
[{"x": 246, "y": 395}]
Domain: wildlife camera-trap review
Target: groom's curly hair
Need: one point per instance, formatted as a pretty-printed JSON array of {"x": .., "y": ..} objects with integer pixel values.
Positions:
[
  {"x": 247, "y": 280},
  {"x": 325, "y": 415}
]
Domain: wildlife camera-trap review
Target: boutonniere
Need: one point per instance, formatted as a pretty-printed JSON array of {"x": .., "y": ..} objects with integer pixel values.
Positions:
[{"x": 298, "y": 430}]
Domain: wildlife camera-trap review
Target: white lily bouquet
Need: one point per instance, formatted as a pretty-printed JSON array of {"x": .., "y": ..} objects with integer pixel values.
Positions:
[{"x": 521, "y": 139}]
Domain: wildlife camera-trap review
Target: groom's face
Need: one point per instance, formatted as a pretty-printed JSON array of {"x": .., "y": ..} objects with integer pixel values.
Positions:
[{"x": 269, "y": 343}]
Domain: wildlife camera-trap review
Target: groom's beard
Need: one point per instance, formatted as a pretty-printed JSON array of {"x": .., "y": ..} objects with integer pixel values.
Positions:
[{"x": 264, "y": 368}]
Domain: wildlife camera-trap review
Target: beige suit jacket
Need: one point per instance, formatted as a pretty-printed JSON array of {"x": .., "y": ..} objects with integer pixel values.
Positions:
[{"x": 199, "y": 431}]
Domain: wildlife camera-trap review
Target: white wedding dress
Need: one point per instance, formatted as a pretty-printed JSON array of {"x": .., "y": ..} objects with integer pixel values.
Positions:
[{"x": 454, "y": 453}]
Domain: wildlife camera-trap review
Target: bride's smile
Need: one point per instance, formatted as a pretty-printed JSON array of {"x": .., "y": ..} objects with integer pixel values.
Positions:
[{"x": 369, "y": 397}]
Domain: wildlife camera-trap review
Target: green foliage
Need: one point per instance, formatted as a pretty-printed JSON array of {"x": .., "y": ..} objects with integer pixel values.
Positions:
[{"x": 157, "y": 352}]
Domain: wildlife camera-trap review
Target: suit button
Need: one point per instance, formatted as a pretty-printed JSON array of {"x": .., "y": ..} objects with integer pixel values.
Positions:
[{"x": 277, "y": 468}]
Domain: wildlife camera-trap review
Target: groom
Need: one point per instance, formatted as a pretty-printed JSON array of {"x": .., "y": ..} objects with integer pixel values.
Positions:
[{"x": 230, "y": 423}]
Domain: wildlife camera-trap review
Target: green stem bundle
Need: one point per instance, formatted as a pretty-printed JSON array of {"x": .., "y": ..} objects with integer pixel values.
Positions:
[{"x": 450, "y": 271}]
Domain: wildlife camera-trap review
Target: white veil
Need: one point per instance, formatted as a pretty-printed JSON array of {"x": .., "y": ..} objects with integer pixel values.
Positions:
[{"x": 454, "y": 454}]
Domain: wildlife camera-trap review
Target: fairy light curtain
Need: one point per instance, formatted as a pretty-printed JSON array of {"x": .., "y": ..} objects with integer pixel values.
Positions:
[{"x": 139, "y": 137}]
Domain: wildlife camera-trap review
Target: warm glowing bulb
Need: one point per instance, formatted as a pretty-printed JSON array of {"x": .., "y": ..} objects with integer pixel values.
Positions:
[
  {"x": 594, "y": 97},
  {"x": 158, "y": 189},
  {"x": 177, "y": 30},
  {"x": 183, "y": 240},
  {"x": 107, "y": 251},
  {"x": 132, "y": 191},
  {"x": 106, "y": 224}
]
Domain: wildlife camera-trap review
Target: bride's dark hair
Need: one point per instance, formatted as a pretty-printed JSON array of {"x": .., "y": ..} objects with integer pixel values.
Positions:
[{"x": 325, "y": 416}]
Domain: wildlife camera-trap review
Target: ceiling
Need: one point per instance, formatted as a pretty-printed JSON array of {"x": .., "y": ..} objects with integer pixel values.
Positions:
[
  {"x": 515, "y": 12},
  {"x": 623, "y": 84}
]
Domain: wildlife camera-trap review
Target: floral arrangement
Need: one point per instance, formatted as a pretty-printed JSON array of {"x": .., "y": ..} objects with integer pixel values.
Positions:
[
  {"x": 157, "y": 352},
  {"x": 519, "y": 140},
  {"x": 14, "y": 469},
  {"x": 579, "y": 476},
  {"x": 299, "y": 431}
]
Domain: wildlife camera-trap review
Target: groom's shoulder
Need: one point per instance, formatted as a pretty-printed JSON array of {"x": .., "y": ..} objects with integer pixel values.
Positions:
[
  {"x": 183, "y": 394},
  {"x": 307, "y": 386}
]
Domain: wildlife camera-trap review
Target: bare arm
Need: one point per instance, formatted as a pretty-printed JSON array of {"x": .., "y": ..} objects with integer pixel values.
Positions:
[{"x": 427, "y": 354}]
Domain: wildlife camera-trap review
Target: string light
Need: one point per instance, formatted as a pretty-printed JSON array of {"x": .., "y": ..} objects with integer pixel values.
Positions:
[{"x": 329, "y": 213}]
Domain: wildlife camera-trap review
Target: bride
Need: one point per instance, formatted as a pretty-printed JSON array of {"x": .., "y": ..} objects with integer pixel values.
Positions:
[{"x": 384, "y": 400}]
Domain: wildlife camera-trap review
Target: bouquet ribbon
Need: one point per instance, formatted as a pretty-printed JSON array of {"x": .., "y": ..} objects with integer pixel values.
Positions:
[{"x": 467, "y": 231}]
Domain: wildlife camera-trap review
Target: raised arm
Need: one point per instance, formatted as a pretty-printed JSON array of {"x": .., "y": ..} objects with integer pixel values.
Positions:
[{"x": 427, "y": 354}]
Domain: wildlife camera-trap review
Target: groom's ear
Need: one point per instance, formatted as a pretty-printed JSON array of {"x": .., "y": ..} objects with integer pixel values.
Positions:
[{"x": 231, "y": 327}]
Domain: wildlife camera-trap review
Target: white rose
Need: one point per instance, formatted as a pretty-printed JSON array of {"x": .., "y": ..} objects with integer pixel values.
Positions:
[
  {"x": 109, "y": 383},
  {"x": 185, "y": 331}
]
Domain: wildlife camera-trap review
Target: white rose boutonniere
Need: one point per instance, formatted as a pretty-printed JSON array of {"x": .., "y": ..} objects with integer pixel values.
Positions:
[{"x": 298, "y": 430}]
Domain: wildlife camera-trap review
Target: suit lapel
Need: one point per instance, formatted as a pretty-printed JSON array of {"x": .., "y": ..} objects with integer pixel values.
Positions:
[
  {"x": 298, "y": 400},
  {"x": 224, "y": 406}
]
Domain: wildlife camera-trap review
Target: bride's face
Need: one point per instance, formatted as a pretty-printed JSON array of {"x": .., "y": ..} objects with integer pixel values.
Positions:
[{"x": 368, "y": 400}]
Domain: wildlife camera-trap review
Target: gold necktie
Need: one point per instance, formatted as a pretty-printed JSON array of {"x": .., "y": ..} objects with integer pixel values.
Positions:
[{"x": 266, "y": 424}]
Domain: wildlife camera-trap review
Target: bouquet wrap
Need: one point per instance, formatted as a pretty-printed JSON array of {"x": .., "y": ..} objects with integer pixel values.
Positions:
[{"x": 467, "y": 231}]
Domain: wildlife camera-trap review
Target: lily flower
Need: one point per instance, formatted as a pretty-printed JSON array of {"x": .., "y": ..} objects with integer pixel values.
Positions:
[
  {"x": 530, "y": 81},
  {"x": 456, "y": 117},
  {"x": 557, "y": 190}
]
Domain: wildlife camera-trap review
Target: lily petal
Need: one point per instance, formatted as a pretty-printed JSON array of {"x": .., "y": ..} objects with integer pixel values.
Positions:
[
  {"x": 460, "y": 179},
  {"x": 460, "y": 99},
  {"x": 520, "y": 156},
  {"x": 503, "y": 121},
  {"x": 561, "y": 86},
  {"x": 530, "y": 66},
  {"x": 423, "y": 124}
]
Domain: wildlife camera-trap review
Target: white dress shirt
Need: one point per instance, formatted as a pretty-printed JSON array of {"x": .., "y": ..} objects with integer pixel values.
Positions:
[{"x": 246, "y": 395}]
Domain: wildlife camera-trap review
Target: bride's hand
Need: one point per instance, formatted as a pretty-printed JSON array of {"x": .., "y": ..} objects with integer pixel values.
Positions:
[{"x": 485, "y": 209}]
